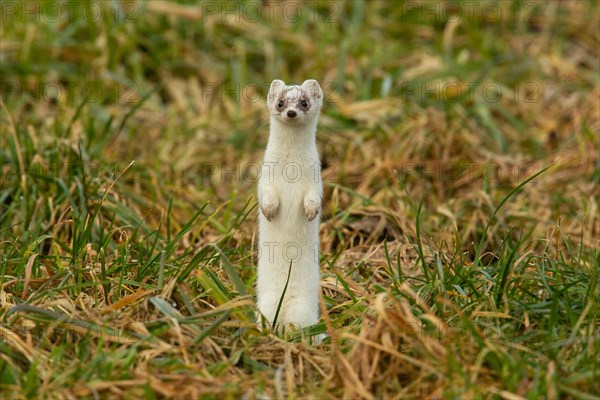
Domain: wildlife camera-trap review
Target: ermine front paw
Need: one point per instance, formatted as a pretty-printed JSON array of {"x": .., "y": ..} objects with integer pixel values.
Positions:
[
  {"x": 269, "y": 208},
  {"x": 311, "y": 208}
]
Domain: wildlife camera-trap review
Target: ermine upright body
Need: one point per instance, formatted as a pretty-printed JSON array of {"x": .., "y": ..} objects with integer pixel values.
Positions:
[{"x": 289, "y": 198}]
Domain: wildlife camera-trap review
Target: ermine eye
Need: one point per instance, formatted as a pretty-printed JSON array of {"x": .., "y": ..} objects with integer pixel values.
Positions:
[
  {"x": 304, "y": 104},
  {"x": 280, "y": 104}
]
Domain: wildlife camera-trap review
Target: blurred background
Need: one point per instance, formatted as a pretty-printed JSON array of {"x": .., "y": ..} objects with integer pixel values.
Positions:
[
  {"x": 448, "y": 102},
  {"x": 132, "y": 133}
]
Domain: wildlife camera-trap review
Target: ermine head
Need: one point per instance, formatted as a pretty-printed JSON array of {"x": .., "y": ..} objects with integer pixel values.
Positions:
[{"x": 295, "y": 105}]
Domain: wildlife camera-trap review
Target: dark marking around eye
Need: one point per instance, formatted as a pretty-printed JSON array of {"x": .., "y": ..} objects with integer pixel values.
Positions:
[{"x": 304, "y": 104}]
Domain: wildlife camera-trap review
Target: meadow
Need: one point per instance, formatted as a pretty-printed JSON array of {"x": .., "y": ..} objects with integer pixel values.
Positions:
[{"x": 460, "y": 231}]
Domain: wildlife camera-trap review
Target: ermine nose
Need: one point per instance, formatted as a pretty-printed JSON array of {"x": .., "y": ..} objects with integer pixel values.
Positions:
[{"x": 291, "y": 114}]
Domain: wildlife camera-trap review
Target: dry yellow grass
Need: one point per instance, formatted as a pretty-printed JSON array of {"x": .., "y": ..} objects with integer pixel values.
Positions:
[{"x": 122, "y": 280}]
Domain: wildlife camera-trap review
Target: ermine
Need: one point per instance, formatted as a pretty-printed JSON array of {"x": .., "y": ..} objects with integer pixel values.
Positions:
[{"x": 289, "y": 199}]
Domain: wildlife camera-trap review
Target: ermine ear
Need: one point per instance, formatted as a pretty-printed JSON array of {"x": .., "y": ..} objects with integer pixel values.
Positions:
[
  {"x": 313, "y": 89},
  {"x": 275, "y": 90}
]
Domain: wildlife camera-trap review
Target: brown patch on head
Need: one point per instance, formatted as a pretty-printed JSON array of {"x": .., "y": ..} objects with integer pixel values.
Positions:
[
  {"x": 317, "y": 94},
  {"x": 304, "y": 102},
  {"x": 281, "y": 102},
  {"x": 313, "y": 91},
  {"x": 299, "y": 98}
]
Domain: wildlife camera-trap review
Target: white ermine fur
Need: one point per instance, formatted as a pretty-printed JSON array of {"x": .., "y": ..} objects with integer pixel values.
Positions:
[{"x": 289, "y": 199}]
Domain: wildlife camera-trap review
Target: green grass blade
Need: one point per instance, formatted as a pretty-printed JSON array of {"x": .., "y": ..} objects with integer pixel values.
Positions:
[
  {"x": 502, "y": 202},
  {"x": 282, "y": 296},
  {"x": 230, "y": 269}
]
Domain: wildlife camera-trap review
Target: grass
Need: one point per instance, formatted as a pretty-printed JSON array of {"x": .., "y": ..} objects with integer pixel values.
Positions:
[{"x": 460, "y": 235}]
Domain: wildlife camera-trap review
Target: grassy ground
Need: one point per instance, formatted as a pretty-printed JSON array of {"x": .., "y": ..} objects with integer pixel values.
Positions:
[{"x": 460, "y": 231}]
